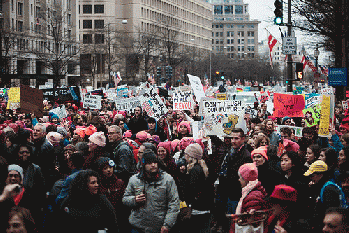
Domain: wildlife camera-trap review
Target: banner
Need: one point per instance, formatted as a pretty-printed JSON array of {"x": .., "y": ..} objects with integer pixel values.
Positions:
[
  {"x": 312, "y": 115},
  {"x": 288, "y": 105},
  {"x": 223, "y": 124},
  {"x": 127, "y": 104},
  {"x": 122, "y": 91},
  {"x": 345, "y": 105},
  {"x": 326, "y": 91},
  {"x": 325, "y": 116},
  {"x": 32, "y": 101},
  {"x": 60, "y": 112},
  {"x": 14, "y": 98},
  {"x": 197, "y": 87},
  {"x": 182, "y": 100},
  {"x": 152, "y": 103},
  {"x": 213, "y": 106},
  {"x": 92, "y": 101}
]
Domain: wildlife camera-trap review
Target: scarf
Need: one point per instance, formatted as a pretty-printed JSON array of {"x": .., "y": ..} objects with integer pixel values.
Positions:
[
  {"x": 18, "y": 197},
  {"x": 245, "y": 191}
]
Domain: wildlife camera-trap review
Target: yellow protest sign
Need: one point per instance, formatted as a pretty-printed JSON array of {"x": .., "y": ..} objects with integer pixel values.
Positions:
[
  {"x": 325, "y": 116},
  {"x": 14, "y": 98}
]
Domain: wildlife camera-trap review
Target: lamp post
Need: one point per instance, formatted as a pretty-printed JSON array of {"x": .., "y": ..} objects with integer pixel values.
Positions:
[{"x": 316, "y": 55}]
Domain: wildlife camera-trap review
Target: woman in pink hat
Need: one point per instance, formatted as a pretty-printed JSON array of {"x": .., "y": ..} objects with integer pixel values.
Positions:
[{"x": 97, "y": 143}]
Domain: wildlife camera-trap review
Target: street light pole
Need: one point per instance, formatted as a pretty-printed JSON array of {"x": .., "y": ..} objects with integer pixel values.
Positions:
[
  {"x": 316, "y": 55},
  {"x": 289, "y": 57}
]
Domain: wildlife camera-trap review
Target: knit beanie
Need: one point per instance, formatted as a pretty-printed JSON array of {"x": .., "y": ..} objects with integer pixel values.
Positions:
[
  {"x": 62, "y": 131},
  {"x": 90, "y": 130},
  {"x": 15, "y": 167},
  {"x": 248, "y": 171},
  {"x": 54, "y": 138},
  {"x": 80, "y": 131},
  {"x": 174, "y": 144},
  {"x": 166, "y": 146},
  {"x": 98, "y": 138},
  {"x": 128, "y": 134},
  {"x": 149, "y": 157},
  {"x": 194, "y": 151},
  {"x": 103, "y": 161},
  {"x": 142, "y": 136},
  {"x": 262, "y": 150},
  {"x": 186, "y": 141},
  {"x": 186, "y": 124}
]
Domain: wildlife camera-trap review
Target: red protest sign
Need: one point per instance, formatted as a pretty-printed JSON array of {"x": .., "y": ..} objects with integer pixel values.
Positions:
[{"x": 288, "y": 105}]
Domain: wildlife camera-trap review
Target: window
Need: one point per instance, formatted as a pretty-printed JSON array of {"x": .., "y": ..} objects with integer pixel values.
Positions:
[
  {"x": 87, "y": 9},
  {"x": 230, "y": 34},
  {"x": 250, "y": 48},
  {"x": 241, "y": 48},
  {"x": 217, "y": 34},
  {"x": 20, "y": 26},
  {"x": 241, "y": 41},
  {"x": 99, "y": 38},
  {"x": 99, "y": 24},
  {"x": 241, "y": 33},
  {"x": 12, "y": 5},
  {"x": 99, "y": 9},
  {"x": 250, "y": 33},
  {"x": 238, "y": 9},
  {"x": 250, "y": 41},
  {"x": 87, "y": 24},
  {"x": 217, "y": 41},
  {"x": 218, "y": 9},
  {"x": 221, "y": 34},
  {"x": 87, "y": 38},
  {"x": 69, "y": 34},
  {"x": 228, "y": 10},
  {"x": 20, "y": 8},
  {"x": 228, "y": 41},
  {"x": 69, "y": 19},
  {"x": 212, "y": 34}
]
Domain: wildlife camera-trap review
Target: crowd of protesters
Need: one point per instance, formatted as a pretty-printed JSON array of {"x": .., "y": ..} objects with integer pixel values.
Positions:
[{"x": 116, "y": 171}]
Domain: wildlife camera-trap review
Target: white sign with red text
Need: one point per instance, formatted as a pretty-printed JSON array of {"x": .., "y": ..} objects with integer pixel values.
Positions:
[{"x": 182, "y": 100}]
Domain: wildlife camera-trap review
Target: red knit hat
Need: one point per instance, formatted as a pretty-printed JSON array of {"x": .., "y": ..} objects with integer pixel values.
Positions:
[
  {"x": 166, "y": 146},
  {"x": 186, "y": 141},
  {"x": 186, "y": 124},
  {"x": 248, "y": 171},
  {"x": 284, "y": 193}
]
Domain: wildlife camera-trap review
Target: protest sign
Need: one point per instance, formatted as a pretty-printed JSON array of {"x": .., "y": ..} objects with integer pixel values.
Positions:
[
  {"x": 32, "y": 101},
  {"x": 127, "y": 104},
  {"x": 61, "y": 94},
  {"x": 288, "y": 105},
  {"x": 297, "y": 130},
  {"x": 122, "y": 91},
  {"x": 345, "y": 105},
  {"x": 92, "y": 101},
  {"x": 325, "y": 116},
  {"x": 223, "y": 124},
  {"x": 326, "y": 91},
  {"x": 152, "y": 103},
  {"x": 214, "y": 106},
  {"x": 60, "y": 112},
  {"x": 182, "y": 100},
  {"x": 197, "y": 87},
  {"x": 14, "y": 98},
  {"x": 312, "y": 99}
]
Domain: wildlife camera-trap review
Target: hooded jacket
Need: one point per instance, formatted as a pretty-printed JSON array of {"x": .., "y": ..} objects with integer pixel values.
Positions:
[{"x": 162, "y": 202}]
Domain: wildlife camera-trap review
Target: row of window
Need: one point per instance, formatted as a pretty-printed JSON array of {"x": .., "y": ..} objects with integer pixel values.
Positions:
[
  {"x": 231, "y": 41},
  {"x": 231, "y": 34},
  {"x": 220, "y": 25},
  {"x": 229, "y": 9},
  {"x": 87, "y": 38},
  {"x": 87, "y": 24},
  {"x": 87, "y": 9}
]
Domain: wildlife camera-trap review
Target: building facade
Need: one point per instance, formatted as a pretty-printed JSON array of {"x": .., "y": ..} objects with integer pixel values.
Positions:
[
  {"x": 39, "y": 39},
  {"x": 233, "y": 33},
  {"x": 121, "y": 29}
]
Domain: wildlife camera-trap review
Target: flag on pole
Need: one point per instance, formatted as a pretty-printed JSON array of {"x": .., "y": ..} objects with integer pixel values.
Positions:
[
  {"x": 117, "y": 78},
  {"x": 271, "y": 43}
]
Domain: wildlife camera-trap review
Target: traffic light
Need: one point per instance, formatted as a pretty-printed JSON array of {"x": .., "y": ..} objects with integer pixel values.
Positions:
[
  {"x": 222, "y": 75},
  {"x": 299, "y": 70},
  {"x": 278, "y": 20},
  {"x": 217, "y": 72}
]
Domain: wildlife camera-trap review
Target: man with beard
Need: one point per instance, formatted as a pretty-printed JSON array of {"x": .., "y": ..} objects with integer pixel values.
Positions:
[{"x": 152, "y": 195}]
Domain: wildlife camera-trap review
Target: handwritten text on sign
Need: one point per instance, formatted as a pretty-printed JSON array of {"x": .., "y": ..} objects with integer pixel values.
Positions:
[
  {"x": 214, "y": 106},
  {"x": 288, "y": 105},
  {"x": 92, "y": 101},
  {"x": 325, "y": 116},
  {"x": 182, "y": 100},
  {"x": 128, "y": 104}
]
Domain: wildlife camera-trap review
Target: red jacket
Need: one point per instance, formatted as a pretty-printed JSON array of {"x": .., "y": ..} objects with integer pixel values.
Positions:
[{"x": 255, "y": 199}]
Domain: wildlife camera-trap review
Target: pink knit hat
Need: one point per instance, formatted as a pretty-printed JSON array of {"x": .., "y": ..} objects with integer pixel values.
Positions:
[
  {"x": 90, "y": 130},
  {"x": 248, "y": 171},
  {"x": 186, "y": 124},
  {"x": 142, "y": 136},
  {"x": 186, "y": 141},
  {"x": 128, "y": 134},
  {"x": 98, "y": 138},
  {"x": 174, "y": 144},
  {"x": 80, "y": 132},
  {"x": 166, "y": 146},
  {"x": 262, "y": 150},
  {"x": 194, "y": 151}
]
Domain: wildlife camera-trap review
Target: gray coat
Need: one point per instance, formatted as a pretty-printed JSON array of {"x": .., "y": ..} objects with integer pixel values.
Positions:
[{"x": 161, "y": 207}]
